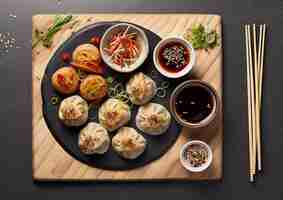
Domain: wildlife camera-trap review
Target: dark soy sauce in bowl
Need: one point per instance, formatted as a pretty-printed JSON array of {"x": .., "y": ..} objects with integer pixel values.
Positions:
[
  {"x": 174, "y": 57},
  {"x": 194, "y": 103}
]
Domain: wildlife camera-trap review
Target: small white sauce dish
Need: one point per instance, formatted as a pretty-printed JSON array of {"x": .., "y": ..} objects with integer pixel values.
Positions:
[
  {"x": 186, "y": 163},
  {"x": 142, "y": 42},
  {"x": 186, "y": 69}
]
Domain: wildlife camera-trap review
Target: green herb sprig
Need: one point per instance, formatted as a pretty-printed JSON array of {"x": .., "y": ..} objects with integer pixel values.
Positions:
[
  {"x": 202, "y": 39},
  {"x": 46, "y": 39}
]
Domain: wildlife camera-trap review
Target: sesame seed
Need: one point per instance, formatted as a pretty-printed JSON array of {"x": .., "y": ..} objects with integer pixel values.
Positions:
[
  {"x": 12, "y": 16},
  {"x": 7, "y": 42},
  {"x": 59, "y": 2}
]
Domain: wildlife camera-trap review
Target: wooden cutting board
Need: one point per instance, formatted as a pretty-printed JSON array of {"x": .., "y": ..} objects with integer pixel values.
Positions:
[{"x": 51, "y": 162}]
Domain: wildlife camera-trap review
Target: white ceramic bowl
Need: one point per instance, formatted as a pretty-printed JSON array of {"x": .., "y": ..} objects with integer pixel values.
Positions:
[
  {"x": 186, "y": 69},
  {"x": 142, "y": 42},
  {"x": 187, "y": 164}
]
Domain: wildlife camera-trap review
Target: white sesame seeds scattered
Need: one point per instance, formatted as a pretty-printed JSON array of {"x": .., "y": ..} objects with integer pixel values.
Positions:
[
  {"x": 59, "y": 2},
  {"x": 12, "y": 16},
  {"x": 7, "y": 41}
]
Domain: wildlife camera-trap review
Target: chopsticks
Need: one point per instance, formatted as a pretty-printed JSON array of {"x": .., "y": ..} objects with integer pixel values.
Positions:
[{"x": 255, "y": 64}]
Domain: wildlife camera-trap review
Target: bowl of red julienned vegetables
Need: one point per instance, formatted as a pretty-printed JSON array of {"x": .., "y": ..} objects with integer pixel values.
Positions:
[
  {"x": 174, "y": 57},
  {"x": 124, "y": 47}
]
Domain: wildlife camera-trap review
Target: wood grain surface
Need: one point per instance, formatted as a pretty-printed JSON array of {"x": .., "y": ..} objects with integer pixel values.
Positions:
[{"x": 51, "y": 162}]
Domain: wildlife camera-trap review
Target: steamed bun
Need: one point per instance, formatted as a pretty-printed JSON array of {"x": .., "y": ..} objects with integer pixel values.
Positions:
[
  {"x": 141, "y": 89},
  {"x": 73, "y": 111},
  {"x": 94, "y": 139},
  {"x": 153, "y": 119},
  {"x": 114, "y": 114},
  {"x": 128, "y": 143}
]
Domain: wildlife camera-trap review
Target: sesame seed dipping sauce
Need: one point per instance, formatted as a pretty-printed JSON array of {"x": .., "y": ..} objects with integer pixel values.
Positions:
[
  {"x": 174, "y": 57},
  {"x": 196, "y": 156}
]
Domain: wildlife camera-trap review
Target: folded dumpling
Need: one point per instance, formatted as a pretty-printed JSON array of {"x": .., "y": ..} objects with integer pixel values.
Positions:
[
  {"x": 94, "y": 139},
  {"x": 114, "y": 114},
  {"x": 87, "y": 58},
  {"x": 153, "y": 119},
  {"x": 128, "y": 143},
  {"x": 141, "y": 89},
  {"x": 73, "y": 111}
]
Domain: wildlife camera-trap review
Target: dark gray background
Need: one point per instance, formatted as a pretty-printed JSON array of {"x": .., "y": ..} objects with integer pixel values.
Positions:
[{"x": 15, "y": 84}]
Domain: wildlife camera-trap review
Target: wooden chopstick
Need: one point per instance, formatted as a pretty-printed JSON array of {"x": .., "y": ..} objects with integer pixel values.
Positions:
[
  {"x": 261, "y": 62},
  {"x": 261, "y": 57},
  {"x": 249, "y": 105},
  {"x": 256, "y": 81},
  {"x": 252, "y": 102},
  {"x": 251, "y": 80},
  {"x": 254, "y": 61}
]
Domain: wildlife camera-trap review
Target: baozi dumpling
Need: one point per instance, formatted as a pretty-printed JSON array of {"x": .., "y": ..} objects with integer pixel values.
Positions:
[
  {"x": 94, "y": 139},
  {"x": 141, "y": 89},
  {"x": 114, "y": 114},
  {"x": 153, "y": 119},
  {"x": 73, "y": 111},
  {"x": 128, "y": 143}
]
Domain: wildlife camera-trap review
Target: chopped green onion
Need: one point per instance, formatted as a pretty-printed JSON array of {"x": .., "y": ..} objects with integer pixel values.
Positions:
[
  {"x": 161, "y": 92},
  {"x": 118, "y": 92},
  {"x": 54, "y": 100},
  {"x": 165, "y": 84},
  {"x": 82, "y": 74},
  {"x": 109, "y": 80},
  {"x": 58, "y": 23}
]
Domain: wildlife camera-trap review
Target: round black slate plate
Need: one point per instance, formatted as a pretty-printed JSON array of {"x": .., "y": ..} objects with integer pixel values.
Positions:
[{"x": 68, "y": 137}]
